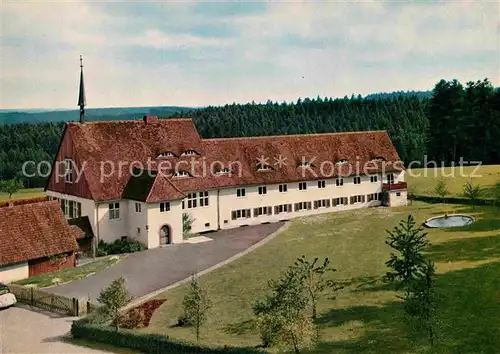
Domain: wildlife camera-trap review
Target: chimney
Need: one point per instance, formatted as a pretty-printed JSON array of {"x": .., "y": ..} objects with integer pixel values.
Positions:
[{"x": 148, "y": 119}]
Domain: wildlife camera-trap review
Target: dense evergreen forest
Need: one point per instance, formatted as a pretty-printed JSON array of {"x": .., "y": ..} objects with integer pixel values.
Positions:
[{"x": 456, "y": 121}]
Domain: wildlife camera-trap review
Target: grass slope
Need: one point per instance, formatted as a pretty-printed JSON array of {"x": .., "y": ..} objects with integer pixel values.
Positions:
[
  {"x": 70, "y": 274},
  {"x": 24, "y": 194},
  {"x": 365, "y": 317},
  {"x": 423, "y": 181}
]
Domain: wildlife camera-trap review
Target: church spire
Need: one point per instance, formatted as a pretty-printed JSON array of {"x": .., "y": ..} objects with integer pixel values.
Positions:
[{"x": 81, "y": 96}]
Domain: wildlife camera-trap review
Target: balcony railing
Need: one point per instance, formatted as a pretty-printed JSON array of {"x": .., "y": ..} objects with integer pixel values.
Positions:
[{"x": 394, "y": 186}]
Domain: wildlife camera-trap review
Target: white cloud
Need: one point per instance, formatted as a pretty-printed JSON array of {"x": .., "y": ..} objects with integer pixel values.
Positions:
[{"x": 134, "y": 57}]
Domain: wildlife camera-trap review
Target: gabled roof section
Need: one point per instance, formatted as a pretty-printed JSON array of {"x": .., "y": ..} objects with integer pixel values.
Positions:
[
  {"x": 139, "y": 185},
  {"x": 113, "y": 146},
  {"x": 34, "y": 230},
  {"x": 83, "y": 225},
  {"x": 163, "y": 189},
  {"x": 151, "y": 186}
]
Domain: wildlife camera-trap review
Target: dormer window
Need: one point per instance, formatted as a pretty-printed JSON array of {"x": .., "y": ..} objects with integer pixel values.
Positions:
[
  {"x": 223, "y": 171},
  {"x": 180, "y": 174},
  {"x": 166, "y": 154},
  {"x": 189, "y": 153},
  {"x": 341, "y": 162},
  {"x": 263, "y": 167}
]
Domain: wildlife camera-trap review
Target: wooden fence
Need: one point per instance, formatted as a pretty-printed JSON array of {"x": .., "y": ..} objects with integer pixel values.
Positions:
[{"x": 51, "y": 302}]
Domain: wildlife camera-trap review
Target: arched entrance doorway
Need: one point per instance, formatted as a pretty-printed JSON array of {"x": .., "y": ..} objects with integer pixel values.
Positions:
[{"x": 165, "y": 235}]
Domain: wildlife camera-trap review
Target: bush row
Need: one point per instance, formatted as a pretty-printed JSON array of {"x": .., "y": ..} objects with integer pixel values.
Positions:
[
  {"x": 119, "y": 246},
  {"x": 93, "y": 328},
  {"x": 452, "y": 200}
]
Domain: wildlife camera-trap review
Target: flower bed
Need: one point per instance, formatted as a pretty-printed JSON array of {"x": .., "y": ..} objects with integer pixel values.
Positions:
[{"x": 146, "y": 309}]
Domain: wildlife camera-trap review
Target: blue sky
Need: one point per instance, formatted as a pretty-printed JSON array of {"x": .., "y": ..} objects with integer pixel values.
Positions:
[{"x": 200, "y": 53}]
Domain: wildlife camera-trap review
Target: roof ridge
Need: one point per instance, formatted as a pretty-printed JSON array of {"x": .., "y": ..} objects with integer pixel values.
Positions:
[
  {"x": 127, "y": 121},
  {"x": 296, "y": 135},
  {"x": 160, "y": 174},
  {"x": 173, "y": 185}
]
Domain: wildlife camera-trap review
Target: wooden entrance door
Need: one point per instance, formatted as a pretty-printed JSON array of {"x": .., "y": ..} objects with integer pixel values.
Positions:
[{"x": 165, "y": 235}]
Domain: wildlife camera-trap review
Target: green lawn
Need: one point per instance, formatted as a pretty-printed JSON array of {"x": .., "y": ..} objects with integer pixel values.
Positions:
[
  {"x": 365, "y": 317},
  {"x": 24, "y": 194},
  {"x": 423, "y": 181},
  {"x": 70, "y": 274}
]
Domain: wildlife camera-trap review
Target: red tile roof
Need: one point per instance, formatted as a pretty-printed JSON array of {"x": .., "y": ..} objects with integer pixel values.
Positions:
[
  {"x": 109, "y": 143},
  {"x": 77, "y": 232},
  {"x": 34, "y": 230},
  {"x": 22, "y": 201}
]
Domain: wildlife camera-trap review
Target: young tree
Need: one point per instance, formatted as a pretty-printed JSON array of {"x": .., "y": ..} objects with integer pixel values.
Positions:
[
  {"x": 281, "y": 314},
  {"x": 196, "y": 306},
  {"x": 187, "y": 222},
  {"x": 113, "y": 298},
  {"x": 314, "y": 279},
  {"x": 472, "y": 192},
  {"x": 495, "y": 195},
  {"x": 421, "y": 302},
  {"x": 441, "y": 189},
  {"x": 409, "y": 241},
  {"x": 10, "y": 186}
]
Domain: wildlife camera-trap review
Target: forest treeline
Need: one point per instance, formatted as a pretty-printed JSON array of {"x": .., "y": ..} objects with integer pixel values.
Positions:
[{"x": 456, "y": 121}]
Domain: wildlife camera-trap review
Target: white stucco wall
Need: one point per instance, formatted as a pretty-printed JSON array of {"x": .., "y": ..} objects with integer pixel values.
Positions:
[
  {"x": 14, "y": 272},
  {"x": 111, "y": 230},
  {"x": 229, "y": 200},
  {"x": 156, "y": 219},
  {"x": 221, "y": 204},
  {"x": 203, "y": 215},
  {"x": 137, "y": 221},
  {"x": 395, "y": 200}
]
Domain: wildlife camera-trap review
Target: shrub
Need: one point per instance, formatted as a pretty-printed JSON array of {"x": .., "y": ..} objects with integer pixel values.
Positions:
[
  {"x": 89, "y": 329},
  {"x": 119, "y": 246},
  {"x": 187, "y": 223},
  {"x": 182, "y": 321}
]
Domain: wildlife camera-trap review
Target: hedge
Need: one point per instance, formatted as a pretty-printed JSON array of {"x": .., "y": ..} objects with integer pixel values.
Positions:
[
  {"x": 87, "y": 328},
  {"x": 451, "y": 200}
]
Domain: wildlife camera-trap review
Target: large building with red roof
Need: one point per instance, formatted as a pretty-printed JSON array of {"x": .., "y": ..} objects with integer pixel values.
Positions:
[{"x": 143, "y": 179}]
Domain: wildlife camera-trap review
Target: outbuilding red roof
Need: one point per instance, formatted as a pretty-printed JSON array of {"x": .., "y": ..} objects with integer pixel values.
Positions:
[
  {"x": 34, "y": 230},
  {"x": 108, "y": 152}
]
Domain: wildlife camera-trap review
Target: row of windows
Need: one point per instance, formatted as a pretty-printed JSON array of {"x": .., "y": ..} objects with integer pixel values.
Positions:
[
  {"x": 71, "y": 209},
  {"x": 195, "y": 199},
  {"x": 282, "y": 188},
  {"x": 301, "y": 206}
]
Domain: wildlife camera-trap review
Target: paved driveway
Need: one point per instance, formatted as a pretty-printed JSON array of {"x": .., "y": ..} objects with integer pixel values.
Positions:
[
  {"x": 154, "y": 269},
  {"x": 23, "y": 330}
]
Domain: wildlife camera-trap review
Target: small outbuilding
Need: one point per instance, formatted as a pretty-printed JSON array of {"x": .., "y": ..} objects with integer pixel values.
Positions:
[{"x": 35, "y": 238}]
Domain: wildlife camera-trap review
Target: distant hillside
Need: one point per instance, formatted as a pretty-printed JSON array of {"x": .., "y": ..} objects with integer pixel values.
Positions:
[
  {"x": 92, "y": 114},
  {"x": 397, "y": 94}
]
